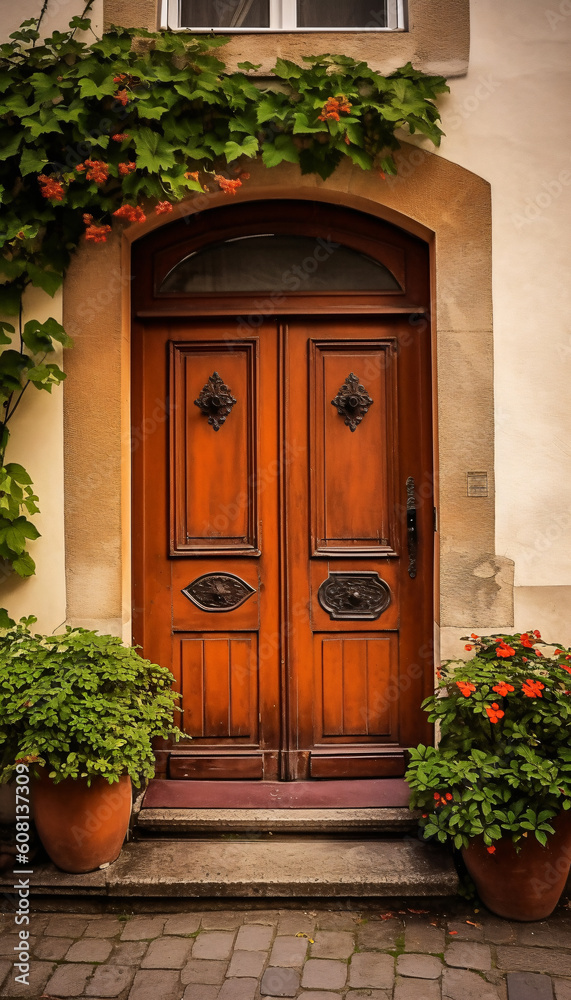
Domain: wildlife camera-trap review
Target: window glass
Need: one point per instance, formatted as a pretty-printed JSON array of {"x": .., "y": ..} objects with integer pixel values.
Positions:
[
  {"x": 341, "y": 14},
  {"x": 225, "y": 13},
  {"x": 269, "y": 263}
]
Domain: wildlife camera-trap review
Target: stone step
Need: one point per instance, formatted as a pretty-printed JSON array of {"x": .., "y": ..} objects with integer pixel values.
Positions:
[
  {"x": 193, "y": 822},
  {"x": 301, "y": 868}
]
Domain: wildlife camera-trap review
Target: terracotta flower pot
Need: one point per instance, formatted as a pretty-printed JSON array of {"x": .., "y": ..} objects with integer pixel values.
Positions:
[
  {"x": 82, "y": 827},
  {"x": 524, "y": 885}
]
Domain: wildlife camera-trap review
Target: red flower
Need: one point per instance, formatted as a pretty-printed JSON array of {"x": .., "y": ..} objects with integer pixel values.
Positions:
[
  {"x": 537, "y": 634},
  {"x": 538, "y": 652},
  {"x": 465, "y": 688},
  {"x": 565, "y": 667},
  {"x": 526, "y": 641},
  {"x": 525, "y": 659},
  {"x": 449, "y": 796},
  {"x": 558, "y": 652},
  {"x": 334, "y": 107},
  {"x": 96, "y": 170},
  {"x": 502, "y": 688},
  {"x": 120, "y": 78},
  {"x": 503, "y": 649},
  {"x": 425, "y": 815},
  {"x": 97, "y": 233},
  {"x": 474, "y": 636},
  {"x": 162, "y": 207},
  {"x": 51, "y": 188},
  {"x": 132, "y": 213},
  {"x": 227, "y": 185},
  {"x": 122, "y": 96},
  {"x": 120, "y": 136},
  {"x": 494, "y": 712},
  {"x": 468, "y": 648},
  {"x": 436, "y": 796},
  {"x": 491, "y": 850},
  {"x": 127, "y": 168},
  {"x": 532, "y": 688}
]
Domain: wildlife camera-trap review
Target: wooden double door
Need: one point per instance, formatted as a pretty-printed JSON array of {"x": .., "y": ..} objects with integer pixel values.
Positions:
[{"x": 283, "y": 541}]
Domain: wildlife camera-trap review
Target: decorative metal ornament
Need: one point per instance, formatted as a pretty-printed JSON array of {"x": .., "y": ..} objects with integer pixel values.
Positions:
[
  {"x": 215, "y": 401},
  {"x": 354, "y": 596},
  {"x": 218, "y": 592},
  {"x": 352, "y": 401}
]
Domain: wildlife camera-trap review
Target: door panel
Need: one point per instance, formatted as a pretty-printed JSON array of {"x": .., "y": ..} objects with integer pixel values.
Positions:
[
  {"x": 370, "y": 622},
  {"x": 353, "y": 454},
  {"x": 206, "y": 584},
  {"x": 221, "y": 515}
]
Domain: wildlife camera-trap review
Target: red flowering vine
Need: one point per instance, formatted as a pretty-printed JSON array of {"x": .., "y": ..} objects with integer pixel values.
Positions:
[
  {"x": 127, "y": 168},
  {"x": 51, "y": 188},
  {"x": 334, "y": 107},
  {"x": 163, "y": 207},
  {"x": 227, "y": 185},
  {"x": 95, "y": 170},
  {"x": 131, "y": 213},
  {"x": 98, "y": 234}
]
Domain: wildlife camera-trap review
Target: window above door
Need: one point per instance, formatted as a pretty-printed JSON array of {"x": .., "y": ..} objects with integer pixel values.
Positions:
[{"x": 284, "y": 15}]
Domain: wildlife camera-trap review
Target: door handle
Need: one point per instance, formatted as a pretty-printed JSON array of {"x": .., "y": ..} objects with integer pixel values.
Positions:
[{"x": 411, "y": 529}]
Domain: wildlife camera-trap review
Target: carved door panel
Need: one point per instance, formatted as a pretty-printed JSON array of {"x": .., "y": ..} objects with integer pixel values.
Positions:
[
  {"x": 278, "y": 572},
  {"x": 206, "y": 570},
  {"x": 359, "y": 637}
]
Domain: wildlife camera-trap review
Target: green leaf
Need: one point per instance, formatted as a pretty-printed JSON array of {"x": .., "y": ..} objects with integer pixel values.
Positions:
[
  {"x": 18, "y": 474},
  {"x": 24, "y": 565},
  {"x": 10, "y": 298},
  {"x": 32, "y": 161},
  {"x": 6, "y": 333},
  {"x": 50, "y": 281},
  {"x": 10, "y": 142},
  {"x": 5, "y": 620},
  {"x": 153, "y": 153},
  {"x": 232, "y": 150},
  {"x": 282, "y": 148}
]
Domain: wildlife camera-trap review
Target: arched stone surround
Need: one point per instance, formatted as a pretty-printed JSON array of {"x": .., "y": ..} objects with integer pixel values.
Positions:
[{"x": 433, "y": 198}]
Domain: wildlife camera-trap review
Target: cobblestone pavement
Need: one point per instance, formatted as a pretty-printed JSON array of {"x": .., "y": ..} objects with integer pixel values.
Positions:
[{"x": 315, "y": 954}]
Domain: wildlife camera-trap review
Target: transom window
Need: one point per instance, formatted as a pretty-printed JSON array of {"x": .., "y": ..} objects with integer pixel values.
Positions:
[{"x": 284, "y": 15}]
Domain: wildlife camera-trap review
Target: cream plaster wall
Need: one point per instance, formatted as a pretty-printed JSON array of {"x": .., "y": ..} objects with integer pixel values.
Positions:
[
  {"x": 37, "y": 443},
  {"x": 57, "y": 17},
  {"x": 509, "y": 121}
]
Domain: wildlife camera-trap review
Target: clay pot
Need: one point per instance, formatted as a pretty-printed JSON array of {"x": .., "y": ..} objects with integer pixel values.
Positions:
[
  {"x": 524, "y": 885},
  {"x": 82, "y": 827}
]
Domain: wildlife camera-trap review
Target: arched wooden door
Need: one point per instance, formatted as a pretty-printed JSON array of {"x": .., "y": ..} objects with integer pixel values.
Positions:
[{"x": 282, "y": 489}]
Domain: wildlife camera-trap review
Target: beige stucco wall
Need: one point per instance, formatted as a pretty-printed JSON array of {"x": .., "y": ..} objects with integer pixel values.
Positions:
[
  {"x": 437, "y": 39},
  {"x": 507, "y": 121}
]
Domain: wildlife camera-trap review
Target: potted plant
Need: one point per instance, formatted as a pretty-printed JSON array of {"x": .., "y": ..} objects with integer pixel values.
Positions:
[
  {"x": 498, "y": 786},
  {"x": 81, "y": 709}
]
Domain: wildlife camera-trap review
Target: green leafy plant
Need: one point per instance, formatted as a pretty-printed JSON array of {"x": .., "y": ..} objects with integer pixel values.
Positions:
[
  {"x": 80, "y": 704},
  {"x": 503, "y": 764},
  {"x": 92, "y": 132}
]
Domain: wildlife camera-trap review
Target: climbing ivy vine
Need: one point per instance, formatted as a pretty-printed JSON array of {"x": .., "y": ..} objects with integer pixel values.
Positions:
[{"x": 89, "y": 133}]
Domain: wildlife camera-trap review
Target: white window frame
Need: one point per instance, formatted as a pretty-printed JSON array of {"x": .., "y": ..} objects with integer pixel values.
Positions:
[{"x": 283, "y": 16}]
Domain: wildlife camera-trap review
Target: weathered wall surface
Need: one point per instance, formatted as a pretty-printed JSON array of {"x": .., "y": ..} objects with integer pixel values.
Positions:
[{"x": 509, "y": 120}]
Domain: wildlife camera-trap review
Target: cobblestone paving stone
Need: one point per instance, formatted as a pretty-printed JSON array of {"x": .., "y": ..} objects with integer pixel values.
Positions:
[{"x": 438, "y": 951}]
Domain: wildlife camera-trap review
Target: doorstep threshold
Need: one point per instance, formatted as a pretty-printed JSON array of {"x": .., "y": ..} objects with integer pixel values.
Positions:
[
  {"x": 192, "y": 822},
  {"x": 305, "y": 868}
]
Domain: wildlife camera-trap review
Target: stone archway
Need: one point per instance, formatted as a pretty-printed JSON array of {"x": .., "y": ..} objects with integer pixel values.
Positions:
[{"x": 443, "y": 203}]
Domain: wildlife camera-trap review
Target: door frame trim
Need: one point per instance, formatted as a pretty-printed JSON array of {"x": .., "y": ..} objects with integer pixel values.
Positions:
[{"x": 447, "y": 206}]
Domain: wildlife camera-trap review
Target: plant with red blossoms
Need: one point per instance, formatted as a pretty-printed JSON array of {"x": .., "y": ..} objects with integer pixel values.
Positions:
[
  {"x": 130, "y": 213},
  {"x": 51, "y": 188},
  {"x": 504, "y": 719}
]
